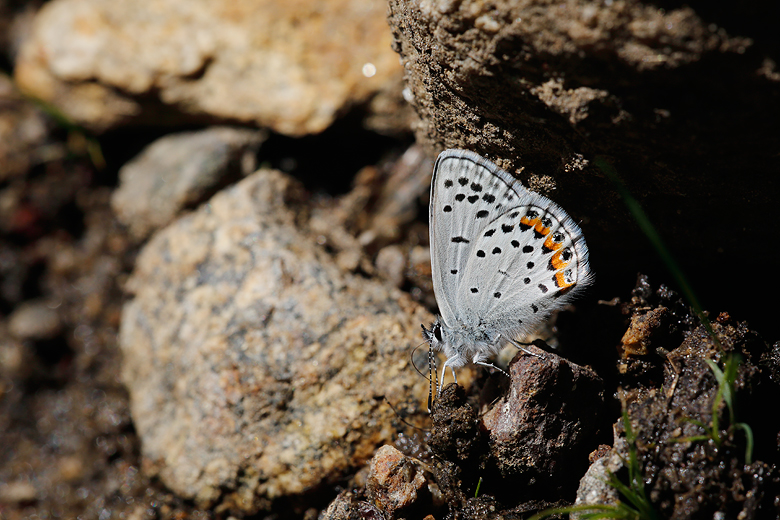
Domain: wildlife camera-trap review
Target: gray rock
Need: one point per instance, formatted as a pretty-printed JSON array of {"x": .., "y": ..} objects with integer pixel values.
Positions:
[
  {"x": 594, "y": 489},
  {"x": 179, "y": 170},
  {"x": 256, "y": 367}
]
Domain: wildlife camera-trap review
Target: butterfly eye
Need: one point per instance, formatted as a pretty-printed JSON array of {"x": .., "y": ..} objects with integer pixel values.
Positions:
[{"x": 437, "y": 331}]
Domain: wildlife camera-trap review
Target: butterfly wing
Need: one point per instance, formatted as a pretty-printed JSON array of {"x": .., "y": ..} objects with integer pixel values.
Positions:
[
  {"x": 461, "y": 188},
  {"x": 503, "y": 257},
  {"x": 530, "y": 260}
]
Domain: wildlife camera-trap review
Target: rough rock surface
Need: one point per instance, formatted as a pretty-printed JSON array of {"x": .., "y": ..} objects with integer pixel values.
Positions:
[
  {"x": 594, "y": 488},
  {"x": 180, "y": 170},
  {"x": 550, "y": 414},
  {"x": 256, "y": 367},
  {"x": 557, "y": 92},
  {"x": 394, "y": 481},
  {"x": 290, "y": 66}
]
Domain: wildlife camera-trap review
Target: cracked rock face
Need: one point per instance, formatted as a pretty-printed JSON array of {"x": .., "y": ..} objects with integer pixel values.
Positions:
[
  {"x": 256, "y": 367},
  {"x": 565, "y": 94}
]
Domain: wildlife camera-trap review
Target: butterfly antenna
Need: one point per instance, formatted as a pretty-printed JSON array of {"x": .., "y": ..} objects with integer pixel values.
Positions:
[
  {"x": 411, "y": 358},
  {"x": 400, "y": 417},
  {"x": 431, "y": 366}
]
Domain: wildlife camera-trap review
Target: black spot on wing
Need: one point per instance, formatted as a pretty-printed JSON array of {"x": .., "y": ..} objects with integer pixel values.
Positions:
[{"x": 460, "y": 240}]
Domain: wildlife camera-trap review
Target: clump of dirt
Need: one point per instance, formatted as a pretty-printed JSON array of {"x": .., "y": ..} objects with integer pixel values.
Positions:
[{"x": 696, "y": 397}]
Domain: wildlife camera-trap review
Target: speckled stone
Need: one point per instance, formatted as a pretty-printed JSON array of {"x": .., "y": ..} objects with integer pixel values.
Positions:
[{"x": 256, "y": 367}]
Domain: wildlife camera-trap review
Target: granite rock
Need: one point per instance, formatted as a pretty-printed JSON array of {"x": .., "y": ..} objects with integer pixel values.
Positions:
[{"x": 256, "y": 367}]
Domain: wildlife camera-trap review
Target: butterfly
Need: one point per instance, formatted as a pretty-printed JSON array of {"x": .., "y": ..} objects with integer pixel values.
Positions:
[{"x": 502, "y": 259}]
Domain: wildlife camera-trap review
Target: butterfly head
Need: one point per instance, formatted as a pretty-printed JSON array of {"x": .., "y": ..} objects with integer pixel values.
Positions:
[{"x": 434, "y": 335}]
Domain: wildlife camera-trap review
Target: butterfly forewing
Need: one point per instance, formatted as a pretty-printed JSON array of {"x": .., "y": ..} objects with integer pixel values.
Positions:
[{"x": 461, "y": 189}]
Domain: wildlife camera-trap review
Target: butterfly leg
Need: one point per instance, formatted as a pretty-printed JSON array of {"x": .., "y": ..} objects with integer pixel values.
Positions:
[
  {"x": 451, "y": 362},
  {"x": 521, "y": 347},
  {"x": 489, "y": 365}
]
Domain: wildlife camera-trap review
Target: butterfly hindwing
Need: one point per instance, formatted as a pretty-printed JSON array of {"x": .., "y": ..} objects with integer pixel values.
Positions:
[{"x": 523, "y": 265}]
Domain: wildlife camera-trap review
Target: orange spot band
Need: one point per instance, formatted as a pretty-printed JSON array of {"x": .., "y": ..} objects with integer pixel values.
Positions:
[
  {"x": 550, "y": 245},
  {"x": 557, "y": 262},
  {"x": 539, "y": 228},
  {"x": 560, "y": 280}
]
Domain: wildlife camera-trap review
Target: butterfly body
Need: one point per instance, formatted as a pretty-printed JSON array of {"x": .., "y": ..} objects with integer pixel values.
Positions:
[
  {"x": 502, "y": 258},
  {"x": 462, "y": 345}
]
